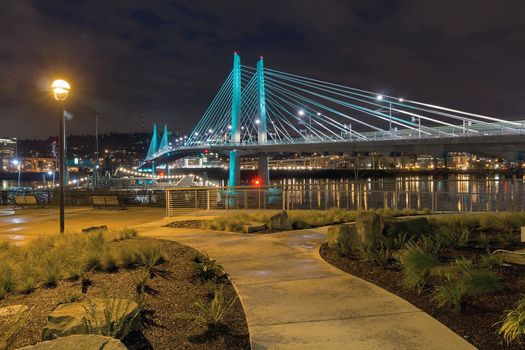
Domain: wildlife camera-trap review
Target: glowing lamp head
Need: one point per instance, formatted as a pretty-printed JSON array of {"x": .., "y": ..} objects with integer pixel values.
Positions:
[
  {"x": 60, "y": 89},
  {"x": 401, "y": 99},
  {"x": 257, "y": 181},
  {"x": 15, "y": 162},
  {"x": 379, "y": 97},
  {"x": 301, "y": 112},
  {"x": 49, "y": 172},
  {"x": 257, "y": 121}
]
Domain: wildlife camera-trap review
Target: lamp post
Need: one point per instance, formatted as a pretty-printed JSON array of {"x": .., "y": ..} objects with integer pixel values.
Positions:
[
  {"x": 60, "y": 92},
  {"x": 53, "y": 174},
  {"x": 18, "y": 165}
]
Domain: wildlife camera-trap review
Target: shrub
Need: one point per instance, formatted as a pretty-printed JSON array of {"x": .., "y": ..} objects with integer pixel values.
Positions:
[
  {"x": 513, "y": 324},
  {"x": 416, "y": 264},
  {"x": 27, "y": 277},
  {"x": 108, "y": 262}
]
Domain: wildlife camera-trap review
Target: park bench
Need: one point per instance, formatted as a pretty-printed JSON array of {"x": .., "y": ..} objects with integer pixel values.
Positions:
[
  {"x": 105, "y": 201},
  {"x": 23, "y": 201}
]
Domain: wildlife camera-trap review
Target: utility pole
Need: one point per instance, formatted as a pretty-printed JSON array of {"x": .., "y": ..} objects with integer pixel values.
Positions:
[{"x": 95, "y": 170}]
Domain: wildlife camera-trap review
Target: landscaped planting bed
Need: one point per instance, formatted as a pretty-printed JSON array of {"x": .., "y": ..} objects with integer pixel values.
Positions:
[
  {"x": 186, "y": 300},
  {"x": 447, "y": 268},
  {"x": 286, "y": 220}
]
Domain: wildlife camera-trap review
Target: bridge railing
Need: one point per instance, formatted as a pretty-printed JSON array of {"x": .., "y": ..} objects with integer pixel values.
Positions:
[{"x": 343, "y": 195}]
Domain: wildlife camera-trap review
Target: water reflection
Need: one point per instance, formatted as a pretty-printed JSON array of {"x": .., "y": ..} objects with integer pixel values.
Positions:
[{"x": 455, "y": 193}]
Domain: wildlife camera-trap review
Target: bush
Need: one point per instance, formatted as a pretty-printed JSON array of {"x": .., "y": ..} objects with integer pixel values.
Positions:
[
  {"x": 148, "y": 254},
  {"x": 7, "y": 278},
  {"x": 491, "y": 261},
  {"x": 513, "y": 324},
  {"x": 417, "y": 264},
  {"x": 13, "y": 327}
]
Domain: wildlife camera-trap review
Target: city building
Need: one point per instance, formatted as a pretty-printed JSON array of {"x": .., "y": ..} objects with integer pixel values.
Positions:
[{"x": 8, "y": 151}]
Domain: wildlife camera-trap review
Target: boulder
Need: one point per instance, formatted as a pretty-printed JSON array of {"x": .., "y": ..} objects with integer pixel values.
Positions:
[
  {"x": 102, "y": 228},
  {"x": 12, "y": 310},
  {"x": 412, "y": 227},
  {"x": 68, "y": 319},
  {"x": 368, "y": 226},
  {"x": 280, "y": 222},
  {"x": 79, "y": 342},
  {"x": 343, "y": 237},
  {"x": 253, "y": 226}
]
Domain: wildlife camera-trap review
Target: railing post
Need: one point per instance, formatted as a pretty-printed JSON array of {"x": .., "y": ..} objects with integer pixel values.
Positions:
[
  {"x": 208, "y": 199},
  {"x": 197, "y": 202},
  {"x": 167, "y": 202}
]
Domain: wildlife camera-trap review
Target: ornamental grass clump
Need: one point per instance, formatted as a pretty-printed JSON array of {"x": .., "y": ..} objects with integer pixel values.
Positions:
[
  {"x": 462, "y": 280},
  {"x": 47, "y": 260},
  {"x": 513, "y": 324},
  {"x": 417, "y": 264}
]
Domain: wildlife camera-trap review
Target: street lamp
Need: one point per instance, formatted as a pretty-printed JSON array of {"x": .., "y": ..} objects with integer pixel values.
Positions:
[
  {"x": 61, "y": 90},
  {"x": 52, "y": 173}
]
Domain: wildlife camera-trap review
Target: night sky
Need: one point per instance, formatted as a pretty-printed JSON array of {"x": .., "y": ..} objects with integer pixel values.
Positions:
[{"x": 166, "y": 59}]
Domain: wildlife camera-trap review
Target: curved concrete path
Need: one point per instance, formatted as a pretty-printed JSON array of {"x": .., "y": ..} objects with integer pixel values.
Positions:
[{"x": 293, "y": 299}]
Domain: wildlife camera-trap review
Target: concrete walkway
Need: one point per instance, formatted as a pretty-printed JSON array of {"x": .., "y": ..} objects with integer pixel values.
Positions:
[{"x": 293, "y": 299}]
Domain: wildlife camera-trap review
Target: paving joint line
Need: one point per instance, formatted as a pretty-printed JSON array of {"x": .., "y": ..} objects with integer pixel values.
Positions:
[{"x": 336, "y": 319}]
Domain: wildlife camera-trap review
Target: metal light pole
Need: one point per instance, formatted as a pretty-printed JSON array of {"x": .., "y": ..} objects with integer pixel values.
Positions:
[
  {"x": 18, "y": 165},
  {"x": 95, "y": 172},
  {"x": 61, "y": 90}
]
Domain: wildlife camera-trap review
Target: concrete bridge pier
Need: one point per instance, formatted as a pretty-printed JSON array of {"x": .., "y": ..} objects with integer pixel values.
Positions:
[
  {"x": 263, "y": 170},
  {"x": 235, "y": 169}
]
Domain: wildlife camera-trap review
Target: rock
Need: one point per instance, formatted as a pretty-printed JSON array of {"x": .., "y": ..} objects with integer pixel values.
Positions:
[
  {"x": 412, "y": 227},
  {"x": 79, "y": 342},
  {"x": 12, "y": 310},
  {"x": 343, "y": 237},
  {"x": 68, "y": 319},
  {"x": 280, "y": 222},
  {"x": 102, "y": 228},
  {"x": 253, "y": 226},
  {"x": 368, "y": 225}
]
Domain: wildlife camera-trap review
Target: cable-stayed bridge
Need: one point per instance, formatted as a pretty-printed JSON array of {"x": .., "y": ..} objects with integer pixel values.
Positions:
[{"x": 261, "y": 111}]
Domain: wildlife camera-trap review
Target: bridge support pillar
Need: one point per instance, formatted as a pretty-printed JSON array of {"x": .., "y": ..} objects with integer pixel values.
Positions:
[
  {"x": 235, "y": 169},
  {"x": 235, "y": 164},
  {"x": 263, "y": 170}
]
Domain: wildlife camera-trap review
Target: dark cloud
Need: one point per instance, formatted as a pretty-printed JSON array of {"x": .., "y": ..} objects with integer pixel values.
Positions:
[{"x": 166, "y": 59}]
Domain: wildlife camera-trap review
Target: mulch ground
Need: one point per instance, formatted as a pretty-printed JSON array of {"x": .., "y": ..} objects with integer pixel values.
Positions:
[
  {"x": 476, "y": 322},
  {"x": 171, "y": 295}
]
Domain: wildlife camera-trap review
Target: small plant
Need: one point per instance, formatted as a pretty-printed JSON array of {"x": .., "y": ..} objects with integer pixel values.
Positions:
[
  {"x": 208, "y": 269},
  {"x": 114, "y": 322},
  {"x": 14, "y": 324},
  {"x": 108, "y": 262},
  {"x": 491, "y": 261},
  {"x": 417, "y": 264},
  {"x": 127, "y": 255},
  {"x": 27, "y": 278},
  {"x": 140, "y": 281},
  {"x": 149, "y": 254},
  {"x": 448, "y": 295},
  {"x": 377, "y": 253},
  {"x": 7, "y": 278},
  {"x": 510, "y": 238},
  {"x": 212, "y": 312},
  {"x": 484, "y": 241},
  {"x": 51, "y": 269},
  {"x": 513, "y": 324}
]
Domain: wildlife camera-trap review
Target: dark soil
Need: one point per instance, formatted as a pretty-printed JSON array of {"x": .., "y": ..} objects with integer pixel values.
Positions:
[
  {"x": 476, "y": 322},
  {"x": 173, "y": 293}
]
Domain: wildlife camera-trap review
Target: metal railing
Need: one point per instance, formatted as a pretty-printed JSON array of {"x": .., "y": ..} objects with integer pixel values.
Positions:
[
  {"x": 343, "y": 195},
  {"x": 81, "y": 197}
]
